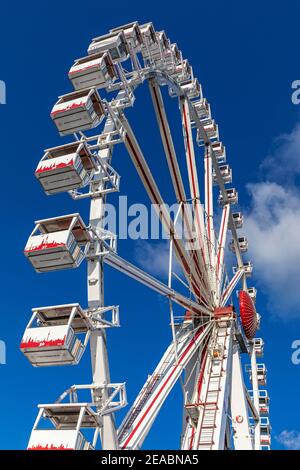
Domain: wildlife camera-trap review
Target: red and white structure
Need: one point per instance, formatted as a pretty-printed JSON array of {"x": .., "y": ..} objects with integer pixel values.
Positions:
[{"x": 211, "y": 339}]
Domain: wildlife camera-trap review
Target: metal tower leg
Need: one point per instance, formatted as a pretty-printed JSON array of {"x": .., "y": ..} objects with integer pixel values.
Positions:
[
  {"x": 99, "y": 356},
  {"x": 239, "y": 412}
]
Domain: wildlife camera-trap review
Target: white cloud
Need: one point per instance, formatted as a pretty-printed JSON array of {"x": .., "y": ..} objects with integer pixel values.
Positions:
[
  {"x": 283, "y": 164},
  {"x": 290, "y": 439},
  {"x": 153, "y": 257},
  {"x": 273, "y": 226}
]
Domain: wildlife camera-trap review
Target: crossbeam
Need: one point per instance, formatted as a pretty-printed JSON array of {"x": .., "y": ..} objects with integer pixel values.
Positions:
[
  {"x": 232, "y": 284},
  {"x": 115, "y": 261},
  {"x": 221, "y": 246}
]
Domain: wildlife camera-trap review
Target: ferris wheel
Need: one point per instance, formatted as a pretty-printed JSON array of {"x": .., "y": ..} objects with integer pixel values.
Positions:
[{"x": 211, "y": 341}]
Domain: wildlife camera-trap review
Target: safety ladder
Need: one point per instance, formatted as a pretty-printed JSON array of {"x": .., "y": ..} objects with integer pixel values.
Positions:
[{"x": 210, "y": 406}]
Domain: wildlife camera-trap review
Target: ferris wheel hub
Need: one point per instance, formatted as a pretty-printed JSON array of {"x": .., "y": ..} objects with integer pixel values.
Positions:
[{"x": 228, "y": 312}]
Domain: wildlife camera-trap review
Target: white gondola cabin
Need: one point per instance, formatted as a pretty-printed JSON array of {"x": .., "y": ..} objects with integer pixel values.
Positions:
[
  {"x": 177, "y": 54},
  {"x": 265, "y": 440},
  {"x": 171, "y": 58},
  {"x": 159, "y": 48},
  {"x": 154, "y": 52},
  {"x": 56, "y": 439},
  {"x": 261, "y": 373},
  {"x": 219, "y": 151},
  {"x": 211, "y": 130},
  {"x": 95, "y": 70},
  {"x": 65, "y": 167},
  {"x": 132, "y": 34},
  {"x": 263, "y": 400},
  {"x": 58, "y": 243},
  {"x": 163, "y": 43},
  {"x": 265, "y": 430},
  {"x": 149, "y": 40},
  {"x": 163, "y": 40},
  {"x": 202, "y": 108},
  {"x": 238, "y": 219},
  {"x": 78, "y": 111},
  {"x": 114, "y": 43},
  {"x": 243, "y": 244},
  {"x": 248, "y": 268},
  {"x": 226, "y": 174},
  {"x": 259, "y": 346},
  {"x": 192, "y": 88},
  {"x": 56, "y": 335},
  {"x": 183, "y": 71},
  {"x": 68, "y": 422},
  {"x": 252, "y": 291},
  {"x": 148, "y": 33},
  {"x": 232, "y": 196}
]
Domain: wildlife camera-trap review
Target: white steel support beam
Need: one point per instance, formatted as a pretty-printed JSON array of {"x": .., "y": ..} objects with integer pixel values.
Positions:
[
  {"x": 194, "y": 185},
  {"x": 142, "y": 414},
  {"x": 231, "y": 286},
  {"x": 255, "y": 389},
  {"x": 99, "y": 356},
  {"x": 253, "y": 410},
  {"x": 221, "y": 246},
  {"x": 176, "y": 177},
  {"x": 138, "y": 274},
  {"x": 209, "y": 211},
  {"x": 144, "y": 172},
  {"x": 242, "y": 439},
  {"x": 171, "y": 249},
  {"x": 167, "y": 140},
  {"x": 228, "y": 434}
]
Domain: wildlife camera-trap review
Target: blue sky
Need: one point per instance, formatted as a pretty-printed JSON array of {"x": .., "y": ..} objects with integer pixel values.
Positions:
[{"x": 245, "y": 56}]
